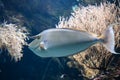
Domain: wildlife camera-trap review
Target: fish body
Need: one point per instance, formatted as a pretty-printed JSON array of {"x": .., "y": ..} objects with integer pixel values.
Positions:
[{"x": 65, "y": 42}]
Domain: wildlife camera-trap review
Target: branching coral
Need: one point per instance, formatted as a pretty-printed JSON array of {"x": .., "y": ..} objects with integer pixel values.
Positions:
[
  {"x": 93, "y": 19},
  {"x": 13, "y": 38}
]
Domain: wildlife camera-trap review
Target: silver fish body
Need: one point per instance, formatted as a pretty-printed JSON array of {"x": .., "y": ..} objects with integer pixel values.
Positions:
[{"x": 61, "y": 42}]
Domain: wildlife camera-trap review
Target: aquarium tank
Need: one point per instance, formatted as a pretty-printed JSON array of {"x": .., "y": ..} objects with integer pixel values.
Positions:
[{"x": 21, "y": 20}]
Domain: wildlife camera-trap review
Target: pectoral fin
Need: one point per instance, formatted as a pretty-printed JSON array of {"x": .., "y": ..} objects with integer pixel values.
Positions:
[{"x": 42, "y": 46}]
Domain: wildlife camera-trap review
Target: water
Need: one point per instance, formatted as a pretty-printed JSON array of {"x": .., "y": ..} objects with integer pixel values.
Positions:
[{"x": 36, "y": 15}]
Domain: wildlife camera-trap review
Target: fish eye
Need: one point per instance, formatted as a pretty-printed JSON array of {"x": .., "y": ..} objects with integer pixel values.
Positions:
[{"x": 38, "y": 37}]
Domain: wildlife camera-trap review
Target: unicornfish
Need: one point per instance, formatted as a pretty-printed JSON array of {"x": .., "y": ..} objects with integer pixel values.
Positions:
[{"x": 58, "y": 42}]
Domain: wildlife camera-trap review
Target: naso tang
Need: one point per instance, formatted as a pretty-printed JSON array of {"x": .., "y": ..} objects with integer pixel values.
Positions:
[{"x": 64, "y": 42}]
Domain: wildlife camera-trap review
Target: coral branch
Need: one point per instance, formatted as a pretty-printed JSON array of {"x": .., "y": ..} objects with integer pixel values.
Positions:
[
  {"x": 12, "y": 37},
  {"x": 93, "y": 19}
]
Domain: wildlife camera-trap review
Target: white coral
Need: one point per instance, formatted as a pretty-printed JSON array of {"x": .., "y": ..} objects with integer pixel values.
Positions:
[
  {"x": 93, "y": 19},
  {"x": 12, "y": 38}
]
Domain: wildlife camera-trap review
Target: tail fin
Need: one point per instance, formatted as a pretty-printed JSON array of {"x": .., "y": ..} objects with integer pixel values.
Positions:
[{"x": 108, "y": 39}]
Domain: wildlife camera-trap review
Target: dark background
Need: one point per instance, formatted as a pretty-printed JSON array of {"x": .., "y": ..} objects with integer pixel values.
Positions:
[{"x": 37, "y": 15}]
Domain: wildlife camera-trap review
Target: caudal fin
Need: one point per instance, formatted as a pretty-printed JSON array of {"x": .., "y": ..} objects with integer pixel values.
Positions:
[{"x": 108, "y": 39}]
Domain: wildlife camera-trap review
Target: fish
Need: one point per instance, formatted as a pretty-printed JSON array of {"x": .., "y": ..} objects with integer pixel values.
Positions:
[{"x": 60, "y": 42}]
